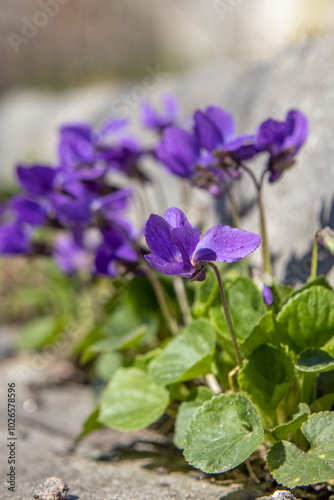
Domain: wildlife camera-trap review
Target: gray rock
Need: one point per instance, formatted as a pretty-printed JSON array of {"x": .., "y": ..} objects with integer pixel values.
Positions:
[{"x": 280, "y": 495}]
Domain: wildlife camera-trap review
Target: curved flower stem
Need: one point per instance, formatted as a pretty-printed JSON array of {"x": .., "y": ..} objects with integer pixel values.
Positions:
[
  {"x": 236, "y": 221},
  {"x": 264, "y": 237},
  {"x": 227, "y": 313},
  {"x": 314, "y": 262},
  {"x": 171, "y": 323},
  {"x": 182, "y": 299},
  {"x": 263, "y": 228}
]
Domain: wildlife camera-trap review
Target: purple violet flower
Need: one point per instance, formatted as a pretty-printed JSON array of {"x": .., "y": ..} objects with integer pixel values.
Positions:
[
  {"x": 267, "y": 295},
  {"x": 159, "y": 120},
  {"x": 70, "y": 252},
  {"x": 215, "y": 130},
  {"x": 37, "y": 180},
  {"x": 29, "y": 211},
  {"x": 282, "y": 140},
  {"x": 178, "y": 150},
  {"x": 14, "y": 239},
  {"x": 178, "y": 249}
]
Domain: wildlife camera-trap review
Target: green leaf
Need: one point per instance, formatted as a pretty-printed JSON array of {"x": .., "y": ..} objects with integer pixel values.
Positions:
[
  {"x": 307, "y": 319},
  {"x": 205, "y": 293},
  {"x": 223, "y": 433},
  {"x": 319, "y": 431},
  {"x": 186, "y": 411},
  {"x": 293, "y": 467},
  {"x": 246, "y": 307},
  {"x": 325, "y": 403},
  {"x": 314, "y": 360},
  {"x": 301, "y": 415},
  {"x": 106, "y": 365},
  {"x": 187, "y": 356},
  {"x": 281, "y": 293},
  {"x": 40, "y": 333},
  {"x": 91, "y": 424},
  {"x": 263, "y": 333},
  {"x": 132, "y": 400},
  {"x": 266, "y": 376}
]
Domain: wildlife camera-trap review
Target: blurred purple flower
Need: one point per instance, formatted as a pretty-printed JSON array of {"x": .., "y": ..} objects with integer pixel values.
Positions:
[
  {"x": 115, "y": 253},
  {"x": 178, "y": 249},
  {"x": 267, "y": 295},
  {"x": 70, "y": 253},
  {"x": 159, "y": 120},
  {"x": 29, "y": 211},
  {"x": 14, "y": 239},
  {"x": 37, "y": 180},
  {"x": 282, "y": 140},
  {"x": 178, "y": 150}
]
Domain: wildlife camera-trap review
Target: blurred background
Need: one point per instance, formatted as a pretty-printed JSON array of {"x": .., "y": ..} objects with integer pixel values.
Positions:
[
  {"x": 66, "y": 61},
  {"x": 71, "y": 59}
]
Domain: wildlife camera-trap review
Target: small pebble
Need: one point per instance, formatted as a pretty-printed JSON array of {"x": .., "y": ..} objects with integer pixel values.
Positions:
[
  {"x": 52, "y": 489},
  {"x": 280, "y": 495}
]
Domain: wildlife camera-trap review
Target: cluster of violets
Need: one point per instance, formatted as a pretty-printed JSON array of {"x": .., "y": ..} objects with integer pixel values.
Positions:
[{"x": 78, "y": 200}]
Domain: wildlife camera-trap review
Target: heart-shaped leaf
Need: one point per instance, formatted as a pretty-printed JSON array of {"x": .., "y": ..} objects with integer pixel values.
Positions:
[
  {"x": 300, "y": 416},
  {"x": 132, "y": 400},
  {"x": 187, "y": 356},
  {"x": 223, "y": 433},
  {"x": 307, "y": 319},
  {"x": 314, "y": 360},
  {"x": 186, "y": 411},
  {"x": 266, "y": 376},
  {"x": 246, "y": 307},
  {"x": 293, "y": 467}
]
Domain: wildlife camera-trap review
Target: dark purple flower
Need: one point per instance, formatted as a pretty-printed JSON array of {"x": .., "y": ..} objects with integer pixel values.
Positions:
[
  {"x": 29, "y": 211},
  {"x": 178, "y": 150},
  {"x": 14, "y": 239},
  {"x": 178, "y": 249},
  {"x": 115, "y": 253},
  {"x": 69, "y": 210},
  {"x": 282, "y": 140},
  {"x": 215, "y": 131},
  {"x": 159, "y": 120},
  {"x": 37, "y": 180}
]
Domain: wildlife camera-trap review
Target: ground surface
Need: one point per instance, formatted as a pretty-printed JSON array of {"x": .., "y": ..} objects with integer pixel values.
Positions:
[{"x": 107, "y": 465}]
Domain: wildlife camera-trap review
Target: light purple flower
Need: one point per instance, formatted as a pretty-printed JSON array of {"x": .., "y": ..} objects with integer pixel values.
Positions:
[
  {"x": 159, "y": 120},
  {"x": 178, "y": 249}
]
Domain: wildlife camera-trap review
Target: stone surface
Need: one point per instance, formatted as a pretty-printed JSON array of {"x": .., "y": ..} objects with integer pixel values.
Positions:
[{"x": 107, "y": 465}]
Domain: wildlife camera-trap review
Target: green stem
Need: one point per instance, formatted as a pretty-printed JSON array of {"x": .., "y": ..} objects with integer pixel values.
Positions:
[
  {"x": 314, "y": 264},
  {"x": 236, "y": 221},
  {"x": 227, "y": 313},
  {"x": 264, "y": 238},
  {"x": 263, "y": 227},
  {"x": 171, "y": 323},
  {"x": 308, "y": 387},
  {"x": 182, "y": 299}
]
